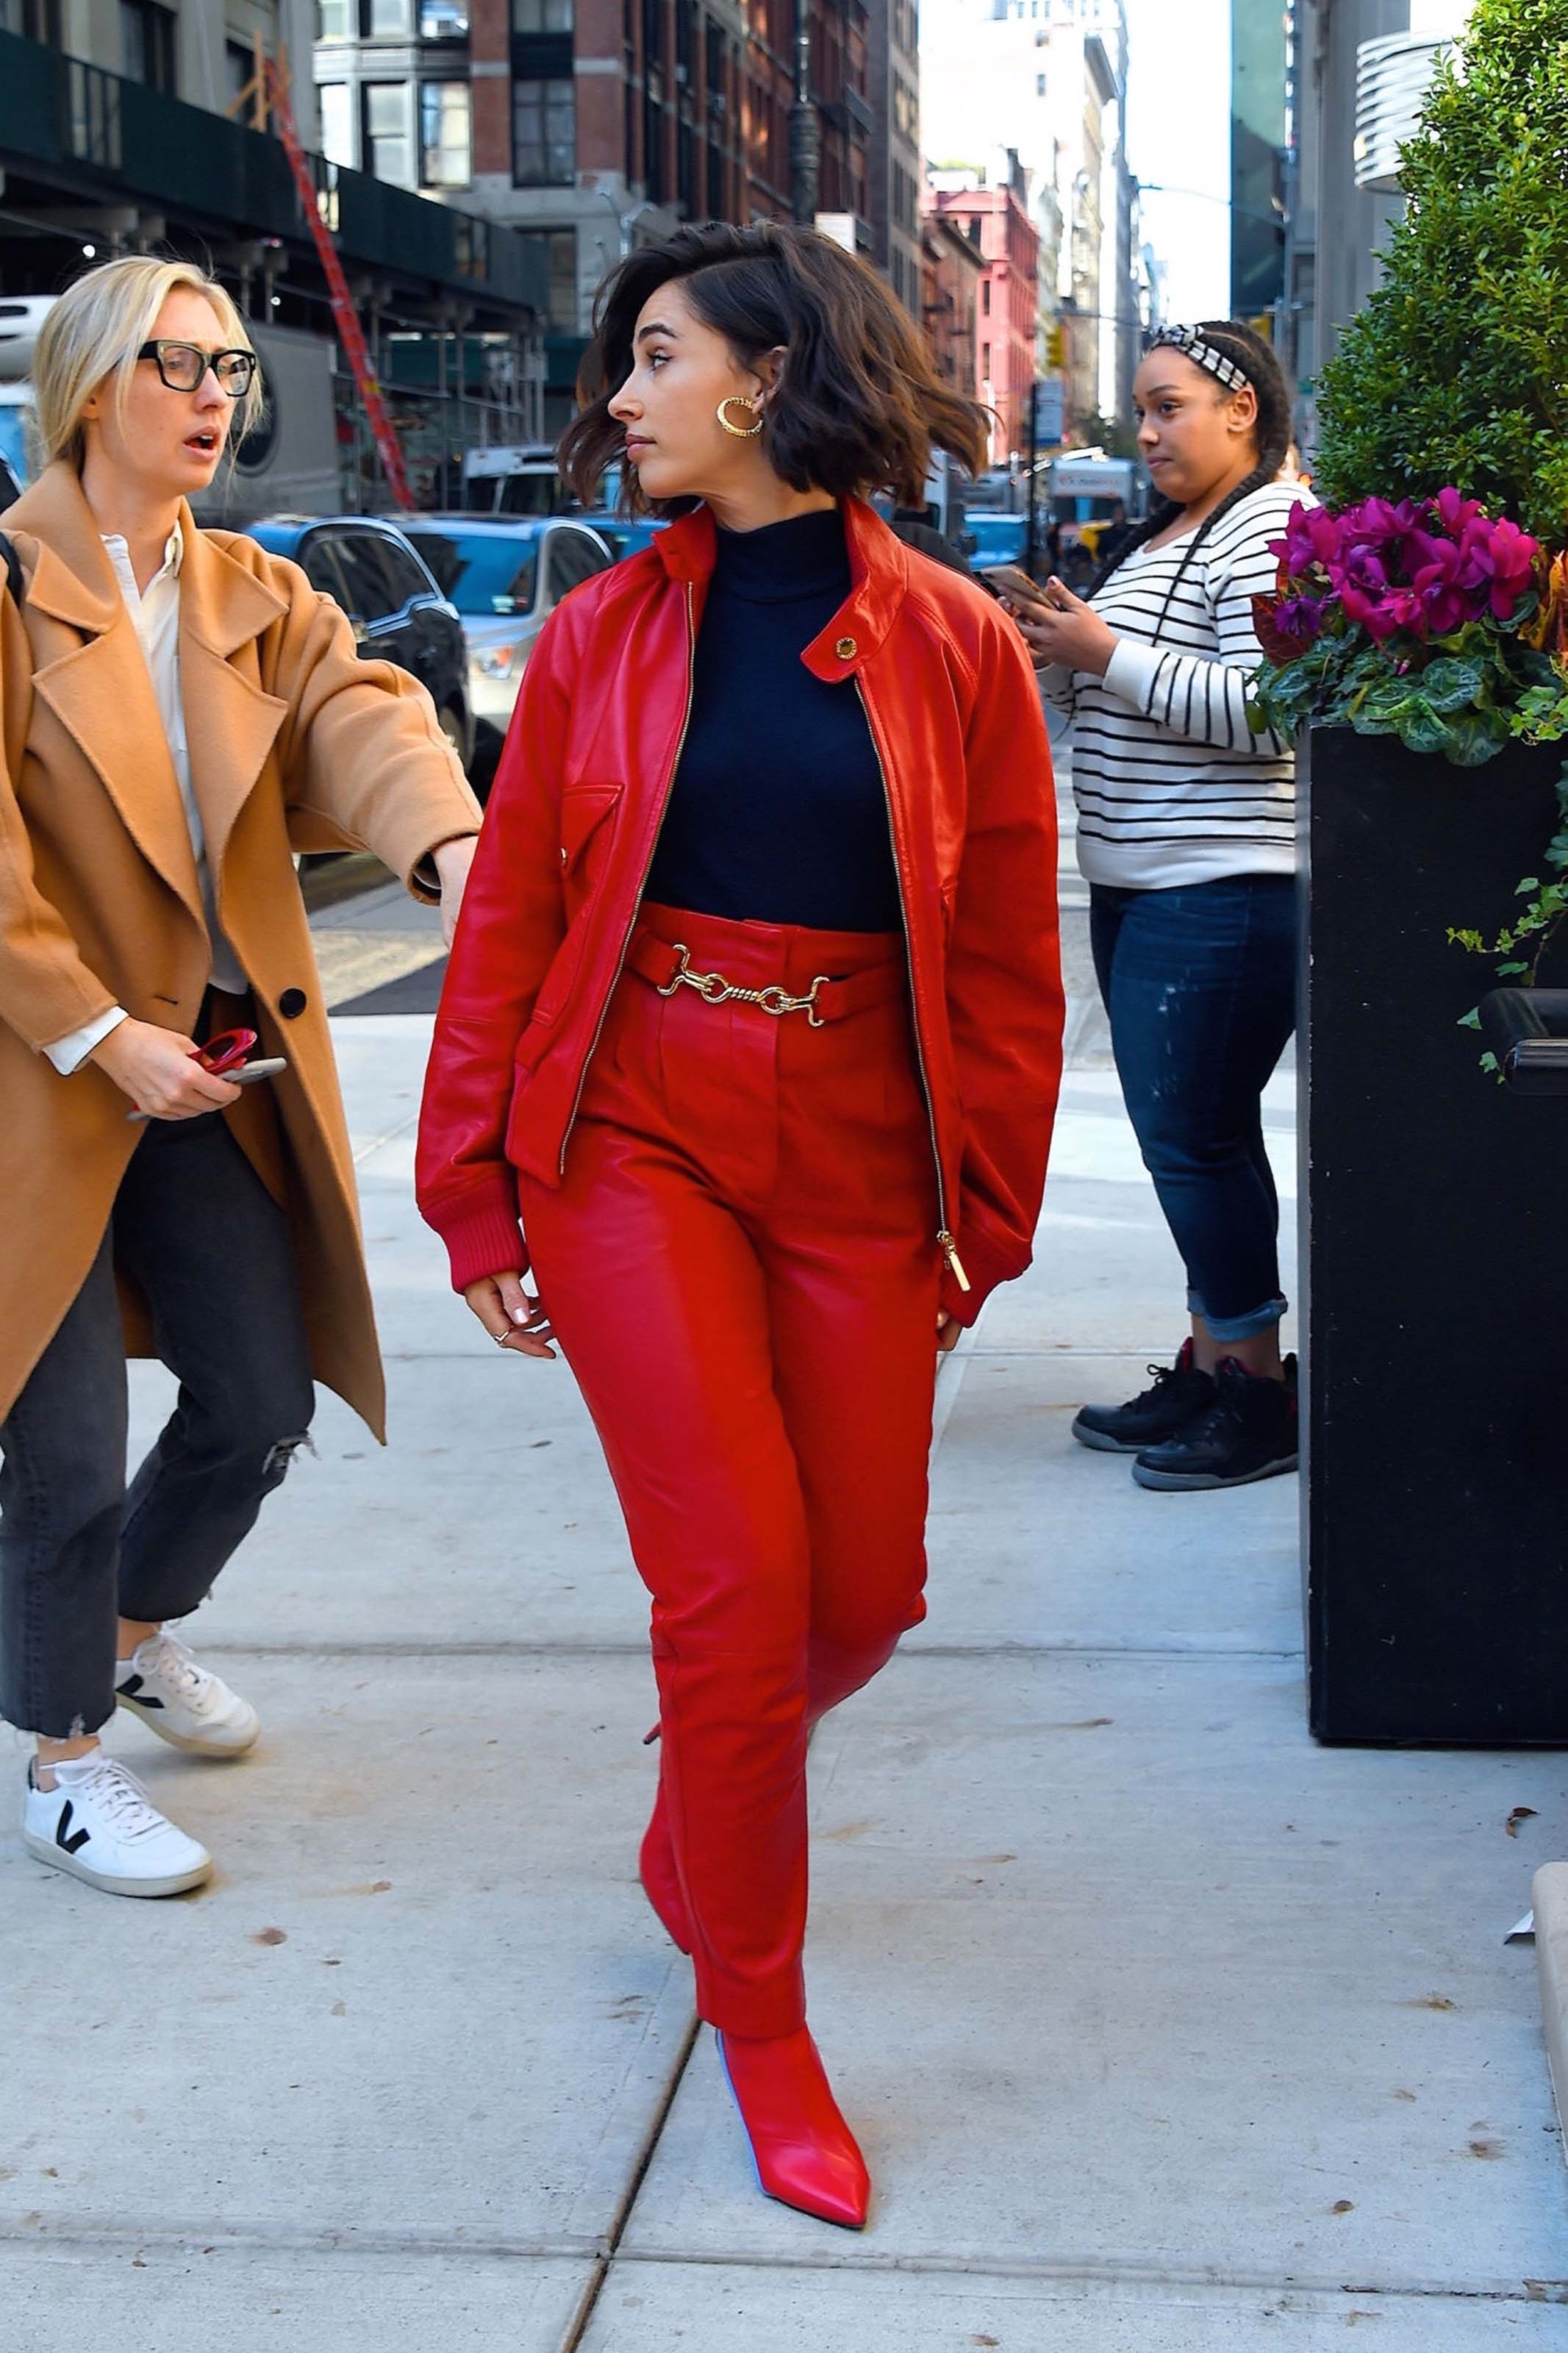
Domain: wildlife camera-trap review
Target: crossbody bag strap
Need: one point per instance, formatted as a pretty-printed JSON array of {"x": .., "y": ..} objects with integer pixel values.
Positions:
[{"x": 12, "y": 563}]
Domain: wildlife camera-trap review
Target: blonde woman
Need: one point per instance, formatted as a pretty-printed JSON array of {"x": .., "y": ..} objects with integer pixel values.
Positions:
[{"x": 179, "y": 712}]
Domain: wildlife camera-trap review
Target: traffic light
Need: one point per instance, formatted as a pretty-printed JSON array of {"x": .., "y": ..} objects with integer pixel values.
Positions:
[{"x": 1057, "y": 346}]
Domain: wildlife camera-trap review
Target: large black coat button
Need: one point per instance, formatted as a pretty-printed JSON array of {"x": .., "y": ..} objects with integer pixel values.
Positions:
[{"x": 292, "y": 1002}]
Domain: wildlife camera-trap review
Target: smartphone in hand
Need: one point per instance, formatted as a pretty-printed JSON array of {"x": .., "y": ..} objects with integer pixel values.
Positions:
[
  {"x": 1007, "y": 580},
  {"x": 243, "y": 1074}
]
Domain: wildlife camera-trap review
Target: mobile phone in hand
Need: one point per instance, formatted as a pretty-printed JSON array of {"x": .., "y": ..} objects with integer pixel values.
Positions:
[
  {"x": 1007, "y": 580},
  {"x": 245, "y": 1075}
]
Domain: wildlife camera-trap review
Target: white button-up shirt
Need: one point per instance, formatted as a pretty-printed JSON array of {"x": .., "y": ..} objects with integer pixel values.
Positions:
[{"x": 155, "y": 614}]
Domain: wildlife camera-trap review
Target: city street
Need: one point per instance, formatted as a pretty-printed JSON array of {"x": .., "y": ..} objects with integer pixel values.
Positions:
[{"x": 1163, "y": 2028}]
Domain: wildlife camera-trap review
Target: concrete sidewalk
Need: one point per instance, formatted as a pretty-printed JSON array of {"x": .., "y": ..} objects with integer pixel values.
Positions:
[{"x": 1164, "y": 2029}]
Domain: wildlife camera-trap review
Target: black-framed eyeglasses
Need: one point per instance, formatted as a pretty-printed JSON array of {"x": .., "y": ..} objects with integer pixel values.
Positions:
[{"x": 182, "y": 366}]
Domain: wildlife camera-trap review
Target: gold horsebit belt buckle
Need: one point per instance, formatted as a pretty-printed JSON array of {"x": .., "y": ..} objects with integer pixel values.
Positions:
[{"x": 714, "y": 989}]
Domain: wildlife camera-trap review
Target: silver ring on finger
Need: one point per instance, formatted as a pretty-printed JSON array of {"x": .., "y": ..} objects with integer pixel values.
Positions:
[{"x": 500, "y": 1338}]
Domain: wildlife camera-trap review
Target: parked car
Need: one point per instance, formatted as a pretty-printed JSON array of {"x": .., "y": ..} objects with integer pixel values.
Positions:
[
  {"x": 622, "y": 536},
  {"x": 10, "y": 488},
  {"x": 505, "y": 579},
  {"x": 398, "y": 611},
  {"x": 998, "y": 538}
]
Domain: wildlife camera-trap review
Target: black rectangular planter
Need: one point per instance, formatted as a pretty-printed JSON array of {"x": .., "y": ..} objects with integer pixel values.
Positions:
[{"x": 1434, "y": 1265}]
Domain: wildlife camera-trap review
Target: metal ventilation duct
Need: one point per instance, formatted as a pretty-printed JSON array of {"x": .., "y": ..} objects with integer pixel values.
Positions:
[{"x": 1392, "y": 77}]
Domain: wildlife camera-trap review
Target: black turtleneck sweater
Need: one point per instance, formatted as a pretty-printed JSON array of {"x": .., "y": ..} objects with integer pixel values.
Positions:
[{"x": 777, "y": 814}]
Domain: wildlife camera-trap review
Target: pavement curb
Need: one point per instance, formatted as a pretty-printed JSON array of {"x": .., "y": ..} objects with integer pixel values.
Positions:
[{"x": 1550, "y": 1889}]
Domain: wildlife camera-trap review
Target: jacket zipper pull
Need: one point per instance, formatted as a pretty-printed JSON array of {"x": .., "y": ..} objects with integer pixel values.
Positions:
[{"x": 950, "y": 1252}]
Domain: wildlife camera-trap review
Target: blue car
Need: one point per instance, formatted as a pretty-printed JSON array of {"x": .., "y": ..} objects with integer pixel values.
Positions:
[
  {"x": 398, "y": 611},
  {"x": 505, "y": 574},
  {"x": 622, "y": 536},
  {"x": 998, "y": 538}
]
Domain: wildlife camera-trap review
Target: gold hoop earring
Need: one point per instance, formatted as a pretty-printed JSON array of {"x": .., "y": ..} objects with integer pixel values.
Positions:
[{"x": 741, "y": 400}]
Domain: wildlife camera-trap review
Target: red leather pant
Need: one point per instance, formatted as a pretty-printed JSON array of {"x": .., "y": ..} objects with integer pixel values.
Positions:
[{"x": 742, "y": 1271}]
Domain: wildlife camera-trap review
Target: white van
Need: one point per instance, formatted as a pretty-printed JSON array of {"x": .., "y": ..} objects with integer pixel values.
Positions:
[{"x": 514, "y": 478}]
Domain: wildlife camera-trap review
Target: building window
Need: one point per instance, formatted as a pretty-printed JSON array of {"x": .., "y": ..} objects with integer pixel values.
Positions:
[
  {"x": 35, "y": 20},
  {"x": 559, "y": 246},
  {"x": 443, "y": 20},
  {"x": 147, "y": 43},
  {"x": 335, "y": 100},
  {"x": 1039, "y": 85},
  {"x": 239, "y": 68},
  {"x": 336, "y": 20},
  {"x": 685, "y": 168},
  {"x": 985, "y": 296},
  {"x": 446, "y": 149},
  {"x": 541, "y": 16},
  {"x": 985, "y": 362},
  {"x": 386, "y": 20},
  {"x": 544, "y": 134},
  {"x": 388, "y": 148}
]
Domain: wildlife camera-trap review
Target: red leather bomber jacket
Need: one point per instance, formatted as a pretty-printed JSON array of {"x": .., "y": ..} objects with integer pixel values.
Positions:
[{"x": 569, "y": 837}]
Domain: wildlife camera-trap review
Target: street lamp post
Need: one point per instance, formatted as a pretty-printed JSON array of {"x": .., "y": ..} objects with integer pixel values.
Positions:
[
  {"x": 627, "y": 222},
  {"x": 804, "y": 136}
]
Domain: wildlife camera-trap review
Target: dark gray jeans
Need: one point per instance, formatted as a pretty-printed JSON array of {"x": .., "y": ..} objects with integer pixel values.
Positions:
[{"x": 212, "y": 1251}]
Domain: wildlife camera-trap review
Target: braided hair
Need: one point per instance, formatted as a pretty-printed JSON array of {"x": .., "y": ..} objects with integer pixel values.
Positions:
[{"x": 1256, "y": 359}]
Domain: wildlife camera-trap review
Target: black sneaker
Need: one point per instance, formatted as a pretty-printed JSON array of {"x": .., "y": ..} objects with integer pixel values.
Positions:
[
  {"x": 1248, "y": 1432},
  {"x": 1179, "y": 1391}
]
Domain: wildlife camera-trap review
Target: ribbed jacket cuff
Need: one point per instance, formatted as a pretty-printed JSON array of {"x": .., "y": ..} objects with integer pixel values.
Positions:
[{"x": 482, "y": 1236}]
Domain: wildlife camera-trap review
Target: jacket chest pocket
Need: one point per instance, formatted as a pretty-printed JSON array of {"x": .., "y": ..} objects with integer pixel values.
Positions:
[
  {"x": 585, "y": 831},
  {"x": 585, "y": 834}
]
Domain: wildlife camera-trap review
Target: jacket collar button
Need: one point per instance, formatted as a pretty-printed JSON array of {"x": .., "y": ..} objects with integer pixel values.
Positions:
[{"x": 846, "y": 648}]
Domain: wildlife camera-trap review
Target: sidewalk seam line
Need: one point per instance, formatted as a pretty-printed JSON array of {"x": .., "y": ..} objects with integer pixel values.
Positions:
[
  {"x": 505, "y": 1649},
  {"x": 605, "y": 2262},
  {"x": 603, "y": 2250},
  {"x": 1112, "y": 2274},
  {"x": 368, "y": 1151}
]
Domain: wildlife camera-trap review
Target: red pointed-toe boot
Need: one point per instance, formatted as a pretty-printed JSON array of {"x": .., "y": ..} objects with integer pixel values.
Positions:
[
  {"x": 806, "y": 2156},
  {"x": 660, "y": 1881}
]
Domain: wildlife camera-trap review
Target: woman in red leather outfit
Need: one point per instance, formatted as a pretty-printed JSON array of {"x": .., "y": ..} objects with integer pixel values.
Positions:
[{"x": 754, "y": 1019}]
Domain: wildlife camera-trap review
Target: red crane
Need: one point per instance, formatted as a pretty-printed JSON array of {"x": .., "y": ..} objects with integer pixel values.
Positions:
[{"x": 270, "y": 93}]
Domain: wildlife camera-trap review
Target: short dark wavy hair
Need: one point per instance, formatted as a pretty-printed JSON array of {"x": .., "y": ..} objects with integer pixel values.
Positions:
[{"x": 859, "y": 406}]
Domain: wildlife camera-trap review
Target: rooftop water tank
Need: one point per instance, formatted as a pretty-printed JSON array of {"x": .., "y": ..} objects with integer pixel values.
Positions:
[{"x": 1394, "y": 75}]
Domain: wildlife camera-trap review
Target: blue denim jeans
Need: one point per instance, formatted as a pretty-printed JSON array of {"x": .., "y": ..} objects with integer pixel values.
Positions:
[{"x": 1200, "y": 986}]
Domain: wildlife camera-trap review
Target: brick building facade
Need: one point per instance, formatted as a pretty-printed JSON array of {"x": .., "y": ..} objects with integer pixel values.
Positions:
[
  {"x": 587, "y": 123},
  {"x": 952, "y": 267},
  {"x": 995, "y": 219}
]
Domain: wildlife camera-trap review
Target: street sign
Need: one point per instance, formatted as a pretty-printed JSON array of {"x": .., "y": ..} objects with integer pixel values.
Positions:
[{"x": 1050, "y": 411}]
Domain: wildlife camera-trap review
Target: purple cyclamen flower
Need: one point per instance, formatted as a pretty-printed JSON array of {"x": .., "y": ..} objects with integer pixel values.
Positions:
[{"x": 1501, "y": 560}]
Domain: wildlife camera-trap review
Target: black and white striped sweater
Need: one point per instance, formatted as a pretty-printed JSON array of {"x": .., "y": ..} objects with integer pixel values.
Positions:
[{"x": 1171, "y": 786}]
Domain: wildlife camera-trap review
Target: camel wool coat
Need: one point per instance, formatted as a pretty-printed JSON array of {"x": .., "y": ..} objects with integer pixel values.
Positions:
[{"x": 295, "y": 745}]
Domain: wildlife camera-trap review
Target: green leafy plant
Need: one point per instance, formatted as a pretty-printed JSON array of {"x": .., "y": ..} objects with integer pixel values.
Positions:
[
  {"x": 1450, "y": 386},
  {"x": 1455, "y": 369}
]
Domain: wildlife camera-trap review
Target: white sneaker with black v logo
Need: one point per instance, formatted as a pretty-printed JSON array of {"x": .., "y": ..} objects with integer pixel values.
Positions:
[
  {"x": 98, "y": 1823},
  {"x": 182, "y": 1700}
]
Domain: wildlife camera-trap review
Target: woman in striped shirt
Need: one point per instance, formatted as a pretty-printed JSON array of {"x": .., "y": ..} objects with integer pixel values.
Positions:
[{"x": 1186, "y": 823}]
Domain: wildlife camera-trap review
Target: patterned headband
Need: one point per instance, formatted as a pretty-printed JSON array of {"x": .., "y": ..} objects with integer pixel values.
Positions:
[{"x": 1204, "y": 356}]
